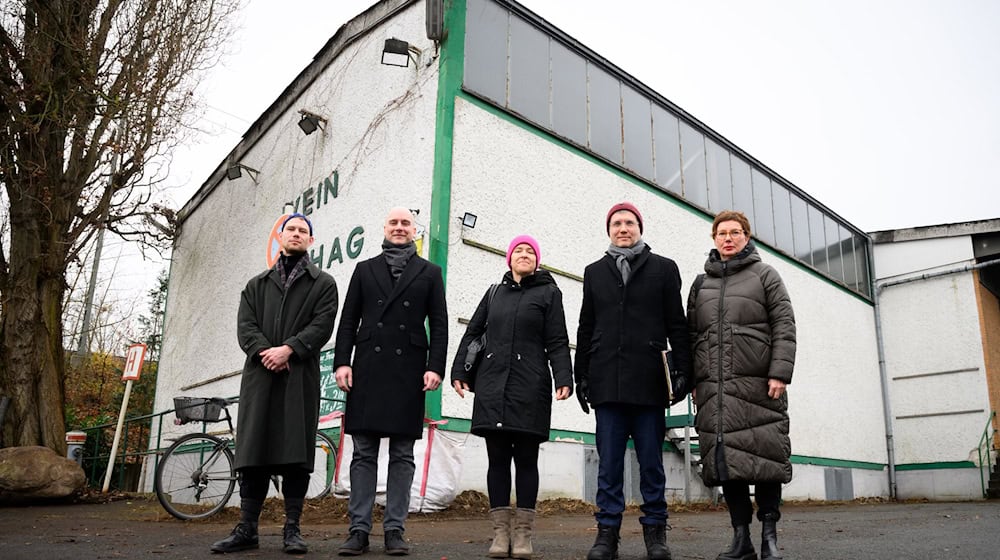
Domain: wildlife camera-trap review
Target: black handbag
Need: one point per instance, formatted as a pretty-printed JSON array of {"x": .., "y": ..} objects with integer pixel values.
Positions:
[{"x": 477, "y": 348}]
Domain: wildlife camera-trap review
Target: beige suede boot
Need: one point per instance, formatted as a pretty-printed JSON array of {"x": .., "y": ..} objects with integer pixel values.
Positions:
[
  {"x": 524, "y": 522},
  {"x": 501, "y": 517}
]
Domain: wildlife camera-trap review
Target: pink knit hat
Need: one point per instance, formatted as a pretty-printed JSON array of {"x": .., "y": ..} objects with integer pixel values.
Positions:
[
  {"x": 531, "y": 243},
  {"x": 623, "y": 206}
]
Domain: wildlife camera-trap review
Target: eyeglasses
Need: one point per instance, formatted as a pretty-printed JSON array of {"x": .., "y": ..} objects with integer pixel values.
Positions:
[{"x": 735, "y": 234}]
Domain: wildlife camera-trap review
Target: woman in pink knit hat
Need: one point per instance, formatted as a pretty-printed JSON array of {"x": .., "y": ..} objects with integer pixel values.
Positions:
[{"x": 526, "y": 349}]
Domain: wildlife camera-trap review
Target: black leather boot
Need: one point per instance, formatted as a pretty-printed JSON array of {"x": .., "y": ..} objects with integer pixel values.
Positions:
[
  {"x": 606, "y": 544},
  {"x": 656, "y": 542},
  {"x": 355, "y": 545},
  {"x": 769, "y": 538},
  {"x": 294, "y": 543},
  {"x": 243, "y": 537},
  {"x": 741, "y": 548}
]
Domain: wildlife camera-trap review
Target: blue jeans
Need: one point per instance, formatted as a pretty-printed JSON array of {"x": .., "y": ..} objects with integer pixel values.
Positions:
[
  {"x": 364, "y": 478},
  {"x": 645, "y": 424}
]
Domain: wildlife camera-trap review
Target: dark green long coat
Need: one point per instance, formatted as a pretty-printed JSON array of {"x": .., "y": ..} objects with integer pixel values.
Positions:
[{"x": 278, "y": 411}]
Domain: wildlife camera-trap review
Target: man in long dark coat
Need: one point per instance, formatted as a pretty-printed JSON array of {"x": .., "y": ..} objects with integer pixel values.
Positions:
[
  {"x": 286, "y": 315},
  {"x": 394, "y": 365},
  {"x": 631, "y": 308}
]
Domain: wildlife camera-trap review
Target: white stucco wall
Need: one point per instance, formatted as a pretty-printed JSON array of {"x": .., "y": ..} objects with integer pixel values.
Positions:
[
  {"x": 379, "y": 138},
  {"x": 529, "y": 184},
  {"x": 934, "y": 354}
]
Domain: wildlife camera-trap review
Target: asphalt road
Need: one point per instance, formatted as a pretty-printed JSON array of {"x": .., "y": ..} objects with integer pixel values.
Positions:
[{"x": 139, "y": 529}]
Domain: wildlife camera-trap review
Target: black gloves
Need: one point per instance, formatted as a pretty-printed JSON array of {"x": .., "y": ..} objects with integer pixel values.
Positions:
[
  {"x": 582, "y": 394},
  {"x": 682, "y": 384}
]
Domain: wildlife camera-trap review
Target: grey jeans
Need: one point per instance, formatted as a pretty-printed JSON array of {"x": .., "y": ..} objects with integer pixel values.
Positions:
[{"x": 364, "y": 477}]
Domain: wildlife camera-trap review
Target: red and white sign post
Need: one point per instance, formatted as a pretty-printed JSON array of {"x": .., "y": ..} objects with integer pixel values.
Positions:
[{"x": 133, "y": 366}]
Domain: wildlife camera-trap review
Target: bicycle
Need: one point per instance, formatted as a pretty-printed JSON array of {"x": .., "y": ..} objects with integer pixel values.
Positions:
[{"x": 195, "y": 477}]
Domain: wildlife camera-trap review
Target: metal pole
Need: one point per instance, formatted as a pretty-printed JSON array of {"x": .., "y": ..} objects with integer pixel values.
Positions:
[{"x": 118, "y": 433}]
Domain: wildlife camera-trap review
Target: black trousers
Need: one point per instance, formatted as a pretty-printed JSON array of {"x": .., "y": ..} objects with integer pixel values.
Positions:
[
  {"x": 501, "y": 448},
  {"x": 254, "y": 482},
  {"x": 766, "y": 494}
]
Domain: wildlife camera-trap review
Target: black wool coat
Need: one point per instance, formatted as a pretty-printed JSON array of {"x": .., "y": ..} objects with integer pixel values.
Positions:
[
  {"x": 278, "y": 411},
  {"x": 623, "y": 328},
  {"x": 382, "y": 325},
  {"x": 525, "y": 335}
]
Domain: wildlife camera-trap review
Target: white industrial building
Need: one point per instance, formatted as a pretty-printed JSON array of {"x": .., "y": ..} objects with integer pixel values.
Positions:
[{"x": 496, "y": 113}]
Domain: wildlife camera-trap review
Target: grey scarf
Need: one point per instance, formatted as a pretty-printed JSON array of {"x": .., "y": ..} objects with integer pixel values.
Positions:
[
  {"x": 397, "y": 256},
  {"x": 291, "y": 267},
  {"x": 624, "y": 256}
]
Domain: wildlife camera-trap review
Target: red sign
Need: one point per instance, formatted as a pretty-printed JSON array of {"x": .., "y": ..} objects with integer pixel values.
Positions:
[
  {"x": 133, "y": 362},
  {"x": 274, "y": 242}
]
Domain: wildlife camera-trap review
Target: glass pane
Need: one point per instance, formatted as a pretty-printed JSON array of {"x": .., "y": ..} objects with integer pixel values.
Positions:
[
  {"x": 800, "y": 225},
  {"x": 638, "y": 132},
  {"x": 668, "y": 150},
  {"x": 693, "y": 165},
  {"x": 569, "y": 94},
  {"x": 605, "y": 115},
  {"x": 720, "y": 179},
  {"x": 861, "y": 262},
  {"x": 763, "y": 218},
  {"x": 784, "y": 234},
  {"x": 847, "y": 257},
  {"x": 817, "y": 239},
  {"x": 486, "y": 50},
  {"x": 529, "y": 71},
  {"x": 742, "y": 191},
  {"x": 836, "y": 267}
]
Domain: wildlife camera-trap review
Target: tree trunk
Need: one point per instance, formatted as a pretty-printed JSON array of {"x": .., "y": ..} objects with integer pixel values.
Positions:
[{"x": 32, "y": 366}]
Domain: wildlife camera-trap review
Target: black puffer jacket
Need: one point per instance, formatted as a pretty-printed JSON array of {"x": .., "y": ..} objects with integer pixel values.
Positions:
[
  {"x": 527, "y": 333},
  {"x": 743, "y": 329}
]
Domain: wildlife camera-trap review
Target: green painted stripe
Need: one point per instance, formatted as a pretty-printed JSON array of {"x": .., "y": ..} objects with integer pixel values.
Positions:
[
  {"x": 937, "y": 466},
  {"x": 843, "y": 463},
  {"x": 525, "y": 125},
  {"x": 450, "y": 70}
]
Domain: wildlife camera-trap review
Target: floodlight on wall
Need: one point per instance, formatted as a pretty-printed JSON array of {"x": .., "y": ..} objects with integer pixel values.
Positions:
[
  {"x": 397, "y": 52},
  {"x": 310, "y": 122},
  {"x": 235, "y": 171},
  {"x": 469, "y": 220}
]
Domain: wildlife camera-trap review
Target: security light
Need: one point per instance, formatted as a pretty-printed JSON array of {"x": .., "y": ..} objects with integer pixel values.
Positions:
[{"x": 469, "y": 220}]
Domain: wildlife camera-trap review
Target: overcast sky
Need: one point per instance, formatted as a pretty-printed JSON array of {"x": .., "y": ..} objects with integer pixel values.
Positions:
[{"x": 887, "y": 112}]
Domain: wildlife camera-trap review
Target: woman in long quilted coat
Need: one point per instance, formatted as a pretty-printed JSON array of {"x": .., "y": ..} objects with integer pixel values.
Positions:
[{"x": 743, "y": 332}]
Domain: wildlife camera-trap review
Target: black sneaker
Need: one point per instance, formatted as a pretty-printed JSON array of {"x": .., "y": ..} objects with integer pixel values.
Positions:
[
  {"x": 294, "y": 543},
  {"x": 355, "y": 545},
  {"x": 243, "y": 537},
  {"x": 394, "y": 543}
]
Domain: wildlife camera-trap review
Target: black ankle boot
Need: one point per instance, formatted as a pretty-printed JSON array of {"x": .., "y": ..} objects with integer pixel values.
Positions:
[
  {"x": 606, "y": 544},
  {"x": 655, "y": 537},
  {"x": 243, "y": 537},
  {"x": 769, "y": 539},
  {"x": 294, "y": 543},
  {"x": 741, "y": 548}
]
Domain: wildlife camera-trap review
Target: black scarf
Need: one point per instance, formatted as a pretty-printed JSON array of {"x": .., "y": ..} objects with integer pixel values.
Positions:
[
  {"x": 291, "y": 267},
  {"x": 397, "y": 256}
]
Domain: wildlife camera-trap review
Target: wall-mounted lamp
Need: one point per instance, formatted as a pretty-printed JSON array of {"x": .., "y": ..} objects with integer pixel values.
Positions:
[
  {"x": 235, "y": 171},
  {"x": 397, "y": 52},
  {"x": 469, "y": 220},
  {"x": 310, "y": 122}
]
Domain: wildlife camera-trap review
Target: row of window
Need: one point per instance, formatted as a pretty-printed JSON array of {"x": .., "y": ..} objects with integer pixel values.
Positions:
[{"x": 530, "y": 72}]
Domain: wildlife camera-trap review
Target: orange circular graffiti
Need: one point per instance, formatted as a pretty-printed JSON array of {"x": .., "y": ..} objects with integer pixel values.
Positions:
[{"x": 273, "y": 249}]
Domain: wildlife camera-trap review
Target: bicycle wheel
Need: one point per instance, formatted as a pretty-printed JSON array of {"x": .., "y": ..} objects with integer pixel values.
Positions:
[
  {"x": 195, "y": 477},
  {"x": 324, "y": 466}
]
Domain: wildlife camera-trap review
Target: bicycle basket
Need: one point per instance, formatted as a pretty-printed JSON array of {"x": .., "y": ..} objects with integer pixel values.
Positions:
[{"x": 199, "y": 409}]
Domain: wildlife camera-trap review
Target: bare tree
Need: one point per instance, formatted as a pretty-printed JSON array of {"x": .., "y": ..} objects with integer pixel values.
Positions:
[{"x": 93, "y": 94}]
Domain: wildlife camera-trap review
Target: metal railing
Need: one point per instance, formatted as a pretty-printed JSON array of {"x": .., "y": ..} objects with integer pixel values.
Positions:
[
  {"x": 987, "y": 454},
  {"x": 135, "y": 445}
]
